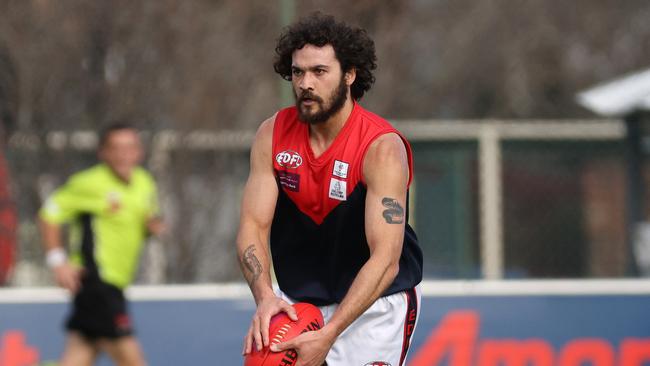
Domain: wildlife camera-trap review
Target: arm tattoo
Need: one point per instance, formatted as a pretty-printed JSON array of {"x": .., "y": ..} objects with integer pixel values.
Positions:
[
  {"x": 394, "y": 213},
  {"x": 251, "y": 263}
]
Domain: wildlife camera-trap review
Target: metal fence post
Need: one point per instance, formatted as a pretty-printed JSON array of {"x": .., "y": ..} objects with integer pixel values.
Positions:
[
  {"x": 635, "y": 193},
  {"x": 491, "y": 202}
]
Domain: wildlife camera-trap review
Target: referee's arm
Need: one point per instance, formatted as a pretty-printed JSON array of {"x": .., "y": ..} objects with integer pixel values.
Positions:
[
  {"x": 62, "y": 206},
  {"x": 66, "y": 274}
]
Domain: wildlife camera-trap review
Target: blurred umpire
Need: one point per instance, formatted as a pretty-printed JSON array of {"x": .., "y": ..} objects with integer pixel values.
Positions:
[{"x": 111, "y": 208}]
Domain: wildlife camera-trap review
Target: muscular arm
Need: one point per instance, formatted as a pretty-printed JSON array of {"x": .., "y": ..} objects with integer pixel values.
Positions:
[
  {"x": 386, "y": 175},
  {"x": 258, "y": 207}
]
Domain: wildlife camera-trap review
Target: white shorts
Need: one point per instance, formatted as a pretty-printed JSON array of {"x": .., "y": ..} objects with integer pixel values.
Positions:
[{"x": 381, "y": 336}]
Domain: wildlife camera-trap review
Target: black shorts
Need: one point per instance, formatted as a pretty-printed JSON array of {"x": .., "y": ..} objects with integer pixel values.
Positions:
[{"x": 99, "y": 311}]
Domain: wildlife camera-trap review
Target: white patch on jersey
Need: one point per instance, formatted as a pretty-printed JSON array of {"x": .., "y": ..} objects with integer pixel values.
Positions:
[
  {"x": 340, "y": 169},
  {"x": 51, "y": 207},
  {"x": 338, "y": 189},
  {"x": 289, "y": 159}
]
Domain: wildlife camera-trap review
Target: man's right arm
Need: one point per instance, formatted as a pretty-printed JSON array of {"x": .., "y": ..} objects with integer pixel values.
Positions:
[
  {"x": 257, "y": 209},
  {"x": 65, "y": 274},
  {"x": 62, "y": 206},
  {"x": 258, "y": 205}
]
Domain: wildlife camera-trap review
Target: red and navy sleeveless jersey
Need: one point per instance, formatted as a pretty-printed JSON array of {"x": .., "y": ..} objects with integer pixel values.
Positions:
[{"x": 318, "y": 240}]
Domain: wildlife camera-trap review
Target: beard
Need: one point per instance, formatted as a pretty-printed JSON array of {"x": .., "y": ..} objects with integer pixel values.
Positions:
[{"x": 323, "y": 113}]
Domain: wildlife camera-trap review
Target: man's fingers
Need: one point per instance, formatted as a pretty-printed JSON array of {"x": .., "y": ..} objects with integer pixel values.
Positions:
[
  {"x": 257, "y": 335},
  {"x": 265, "y": 330},
  {"x": 72, "y": 279},
  {"x": 291, "y": 312},
  {"x": 65, "y": 281},
  {"x": 68, "y": 277},
  {"x": 248, "y": 341},
  {"x": 73, "y": 286},
  {"x": 76, "y": 282},
  {"x": 244, "y": 346},
  {"x": 279, "y": 347}
]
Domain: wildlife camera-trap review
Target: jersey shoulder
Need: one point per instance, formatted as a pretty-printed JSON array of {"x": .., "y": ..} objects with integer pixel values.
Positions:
[
  {"x": 373, "y": 120},
  {"x": 144, "y": 178},
  {"x": 89, "y": 178},
  {"x": 144, "y": 175}
]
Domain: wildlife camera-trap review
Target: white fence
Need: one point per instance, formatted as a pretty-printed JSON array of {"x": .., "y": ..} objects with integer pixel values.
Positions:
[{"x": 488, "y": 134}]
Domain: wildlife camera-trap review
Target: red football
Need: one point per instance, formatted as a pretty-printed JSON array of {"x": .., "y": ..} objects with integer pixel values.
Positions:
[{"x": 281, "y": 329}]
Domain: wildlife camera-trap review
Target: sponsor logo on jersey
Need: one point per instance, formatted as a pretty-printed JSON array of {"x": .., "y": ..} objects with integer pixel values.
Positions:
[
  {"x": 289, "y": 159},
  {"x": 114, "y": 201},
  {"x": 340, "y": 169},
  {"x": 289, "y": 181},
  {"x": 377, "y": 363},
  {"x": 338, "y": 189}
]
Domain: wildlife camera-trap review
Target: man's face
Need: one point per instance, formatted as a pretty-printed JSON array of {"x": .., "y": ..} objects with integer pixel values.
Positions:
[
  {"x": 320, "y": 86},
  {"x": 122, "y": 152}
]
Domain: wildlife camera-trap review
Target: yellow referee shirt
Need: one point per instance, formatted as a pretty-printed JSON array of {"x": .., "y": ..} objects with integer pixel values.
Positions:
[{"x": 108, "y": 219}]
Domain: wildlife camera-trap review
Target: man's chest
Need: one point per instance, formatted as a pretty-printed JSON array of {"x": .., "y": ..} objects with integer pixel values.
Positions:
[{"x": 316, "y": 185}]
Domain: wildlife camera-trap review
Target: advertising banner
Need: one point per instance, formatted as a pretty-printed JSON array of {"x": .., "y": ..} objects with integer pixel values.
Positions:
[{"x": 484, "y": 329}]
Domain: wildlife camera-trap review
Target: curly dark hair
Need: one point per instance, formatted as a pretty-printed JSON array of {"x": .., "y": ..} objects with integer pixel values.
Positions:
[{"x": 353, "y": 48}]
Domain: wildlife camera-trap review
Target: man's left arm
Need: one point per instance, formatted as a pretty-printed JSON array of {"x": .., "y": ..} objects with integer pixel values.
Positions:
[
  {"x": 156, "y": 226},
  {"x": 386, "y": 174}
]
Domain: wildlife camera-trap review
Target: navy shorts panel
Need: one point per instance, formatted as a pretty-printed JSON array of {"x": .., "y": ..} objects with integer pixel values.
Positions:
[{"x": 99, "y": 310}]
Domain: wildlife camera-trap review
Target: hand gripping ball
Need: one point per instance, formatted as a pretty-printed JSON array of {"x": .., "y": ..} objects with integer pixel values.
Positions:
[{"x": 281, "y": 329}]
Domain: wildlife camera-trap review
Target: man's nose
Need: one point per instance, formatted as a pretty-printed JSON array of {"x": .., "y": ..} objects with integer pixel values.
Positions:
[{"x": 306, "y": 82}]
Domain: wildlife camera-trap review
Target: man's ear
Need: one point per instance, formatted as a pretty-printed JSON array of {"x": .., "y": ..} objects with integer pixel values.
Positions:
[{"x": 350, "y": 76}]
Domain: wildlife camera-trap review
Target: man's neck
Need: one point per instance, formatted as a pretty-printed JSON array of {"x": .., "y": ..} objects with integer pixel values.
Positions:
[{"x": 124, "y": 177}]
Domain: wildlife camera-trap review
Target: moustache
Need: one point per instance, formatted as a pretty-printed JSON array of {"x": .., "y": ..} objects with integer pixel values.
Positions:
[{"x": 309, "y": 95}]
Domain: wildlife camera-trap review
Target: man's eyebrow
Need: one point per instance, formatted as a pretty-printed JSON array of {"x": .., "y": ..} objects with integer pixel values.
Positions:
[{"x": 310, "y": 68}]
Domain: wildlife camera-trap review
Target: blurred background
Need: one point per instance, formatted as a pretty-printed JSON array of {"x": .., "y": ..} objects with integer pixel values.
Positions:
[{"x": 197, "y": 78}]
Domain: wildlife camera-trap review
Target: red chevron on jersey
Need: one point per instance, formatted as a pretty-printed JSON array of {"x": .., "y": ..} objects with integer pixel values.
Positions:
[{"x": 318, "y": 184}]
